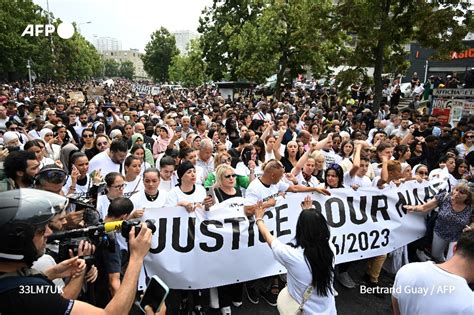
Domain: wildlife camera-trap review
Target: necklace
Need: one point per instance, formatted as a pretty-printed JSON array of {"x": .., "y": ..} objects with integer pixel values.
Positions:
[{"x": 152, "y": 197}]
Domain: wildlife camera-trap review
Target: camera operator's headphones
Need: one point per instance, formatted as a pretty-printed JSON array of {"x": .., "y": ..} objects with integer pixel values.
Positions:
[{"x": 52, "y": 174}]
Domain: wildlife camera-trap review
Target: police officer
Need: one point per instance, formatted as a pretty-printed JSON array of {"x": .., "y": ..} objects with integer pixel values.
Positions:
[{"x": 24, "y": 217}]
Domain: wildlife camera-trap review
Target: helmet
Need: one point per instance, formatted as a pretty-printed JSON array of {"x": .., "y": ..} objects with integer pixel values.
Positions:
[{"x": 22, "y": 212}]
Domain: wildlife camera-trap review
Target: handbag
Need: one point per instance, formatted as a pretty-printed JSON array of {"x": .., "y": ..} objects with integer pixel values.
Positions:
[{"x": 287, "y": 305}]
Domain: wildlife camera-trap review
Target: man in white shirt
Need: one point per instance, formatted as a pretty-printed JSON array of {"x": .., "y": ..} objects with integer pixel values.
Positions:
[
  {"x": 402, "y": 130},
  {"x": 266, "y": 189},
  {"x": 110, "y": 160},
  {"x": 205, "y": 159},
  {"x": 428, "y": 288}
]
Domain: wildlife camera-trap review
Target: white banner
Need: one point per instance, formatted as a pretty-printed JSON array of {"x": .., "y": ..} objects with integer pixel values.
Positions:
[
  {"x": 212, "y": 248},
  {"x": 454, "y": 92},
  {"x": 145, "y": 89}
]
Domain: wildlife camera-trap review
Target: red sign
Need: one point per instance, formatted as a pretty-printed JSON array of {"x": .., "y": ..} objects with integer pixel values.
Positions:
[
  {"x": 468, "y": 53},
  {"x": 442, "y": 114}
]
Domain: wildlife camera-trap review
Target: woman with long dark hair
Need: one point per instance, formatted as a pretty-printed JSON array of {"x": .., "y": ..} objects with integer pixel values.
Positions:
[{"x": 309, "y": 261}]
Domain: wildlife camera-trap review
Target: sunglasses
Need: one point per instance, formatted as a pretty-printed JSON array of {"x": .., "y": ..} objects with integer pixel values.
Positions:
[
  {"x": 469, "y": 136},
  {"x": 13, "y": 129},
  {"x": 88, "y": 136},
  {"x": 226, "y": 160},
  {"x": 224, "y": 134},
  {"x": 423, "y": 173},
  {"x": 230, "y": 175},
  {"x": 100, "y": 144}
]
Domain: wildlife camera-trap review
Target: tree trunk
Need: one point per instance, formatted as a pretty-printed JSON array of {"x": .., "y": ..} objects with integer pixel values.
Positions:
[
  {"x": 378, "y": 68},
  {"x": 280, "y": 76}
]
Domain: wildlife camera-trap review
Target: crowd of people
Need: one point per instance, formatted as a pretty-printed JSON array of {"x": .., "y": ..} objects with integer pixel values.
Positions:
[{"x": 124, "y": 152}]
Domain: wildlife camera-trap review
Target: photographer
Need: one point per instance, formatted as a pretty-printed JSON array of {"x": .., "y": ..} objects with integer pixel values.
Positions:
[
  {"x": 24, "y": 217},
  {"x": 45, "y": 262}
]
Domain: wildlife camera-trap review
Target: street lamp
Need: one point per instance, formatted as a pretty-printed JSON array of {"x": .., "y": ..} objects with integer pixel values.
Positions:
[
  {"x": 28, "y": 66},
  {"x": 83, "y": 23}
]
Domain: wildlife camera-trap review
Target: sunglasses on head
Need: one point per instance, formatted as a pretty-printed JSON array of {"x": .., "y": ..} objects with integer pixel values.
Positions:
[
  {"x": 334, "y": 166},
  {"x": 53, "y": 176}
]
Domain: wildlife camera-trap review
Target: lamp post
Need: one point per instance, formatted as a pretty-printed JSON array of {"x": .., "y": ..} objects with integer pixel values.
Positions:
[
  {"x": 28, "y": 66},
  {"x": 83, "y": 23}
]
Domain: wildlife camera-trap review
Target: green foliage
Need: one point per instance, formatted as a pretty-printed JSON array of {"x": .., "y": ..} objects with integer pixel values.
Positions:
[
  {"x": 255, "y": 39},
  {"x": 127, "y": 70},
  {"x": 190, "y": 69},
  {"x": 380, "y": 29},
  {"x": 73, "y": 58},
  {"x": 218, "y": 25},
  {"x": 159, "y": 52},
  {"x": 111, "y": 68}
]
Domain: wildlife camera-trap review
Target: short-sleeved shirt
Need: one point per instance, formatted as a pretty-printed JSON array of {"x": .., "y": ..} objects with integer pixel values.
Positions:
[
  {"x": 356, "y": 180},
  {"x": 424, "y": 288},
  {"x": 257, "y": 191},
  {"x": 300, "y": 277},
  {"x": 449, "y": 224},
  {"x": 49, "y": 302}
]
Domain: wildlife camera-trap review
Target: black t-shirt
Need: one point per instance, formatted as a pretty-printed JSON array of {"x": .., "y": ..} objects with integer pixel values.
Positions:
[
  {"x": 34, "y": 298},
  {"x": 221, "y": 195}
]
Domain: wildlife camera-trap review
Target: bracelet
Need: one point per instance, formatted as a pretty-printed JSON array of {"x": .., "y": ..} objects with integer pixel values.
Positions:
[{"x": 258, "y": 220}]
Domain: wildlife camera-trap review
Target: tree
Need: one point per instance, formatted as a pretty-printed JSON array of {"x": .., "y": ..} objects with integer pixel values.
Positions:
[
  {"x": 190, "y": 69},
  {"x": 381, "y": 28},
  {"x": 127, "y": 70},
  {"x": 111, "y": 68},
  {"x": 51, "y": 57},
  {"x": 218, "y": 24},
  {"x": 287, "y": 38},
  {"x": 158, "y": 54}
]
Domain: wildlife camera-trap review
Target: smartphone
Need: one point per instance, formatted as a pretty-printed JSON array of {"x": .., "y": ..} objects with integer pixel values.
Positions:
[
  {"x": 210, "y": 192},
  {"x": 155, "y": 294}
]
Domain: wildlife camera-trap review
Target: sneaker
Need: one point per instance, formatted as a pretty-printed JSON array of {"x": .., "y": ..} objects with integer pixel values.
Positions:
[
  {"x": 226, "y": 310},
  {"x": 237, "y": 303},
  {"x": 345, "y": 279},
  {"x": 270, "y": 298},
  {"x": 371, "y": 284},
  {"x": 253, "y": 295}
]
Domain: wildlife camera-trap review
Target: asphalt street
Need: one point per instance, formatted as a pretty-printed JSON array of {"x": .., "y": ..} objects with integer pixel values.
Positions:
[{"x": 349, "y": 301}]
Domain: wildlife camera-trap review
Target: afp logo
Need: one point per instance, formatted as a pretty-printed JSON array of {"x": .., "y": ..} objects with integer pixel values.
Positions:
[{"x": 65, "y": 30}]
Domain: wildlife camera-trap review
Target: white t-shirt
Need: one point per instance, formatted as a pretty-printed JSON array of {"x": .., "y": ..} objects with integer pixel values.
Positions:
[
  {"x": 356, "y": 180},
  {"x": 176, "y": 194},
  {"x": 243, "y": 170},
  {"x": 299, "y": 277},
  {"x": 257, "y": 191},
  {"x": 424, "y": 288},
  {"x": 80, "y": 190},
  {"x": 140, "y": 201},
  {"x": 103, "y": 162},
  {"x": 313, "y": 182},
  {"x": 103, "y": 203},
  {"x": 167, "y": 185},
  {"x": 331, "y": 157},
  {"x": 133, "y": 187}
]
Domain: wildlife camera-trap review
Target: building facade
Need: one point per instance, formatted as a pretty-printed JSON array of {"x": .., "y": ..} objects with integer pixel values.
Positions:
[
  {"x": 182, "y": 40},
  {"x": 421, "y": 61},
  {"x": 107, "y": 44},
  {"x": 132, "y": 55}
]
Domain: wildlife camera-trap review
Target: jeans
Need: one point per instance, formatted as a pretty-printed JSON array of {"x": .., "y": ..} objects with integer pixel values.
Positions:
[{"x": 438, "y": 247}]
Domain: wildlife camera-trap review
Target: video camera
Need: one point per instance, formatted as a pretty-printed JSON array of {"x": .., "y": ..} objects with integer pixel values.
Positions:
[{"x": 98, "y": 235}]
